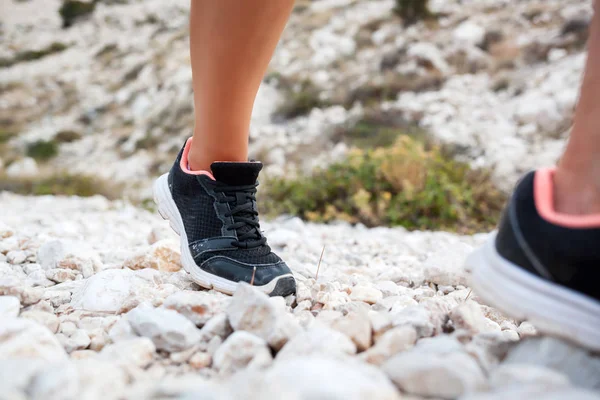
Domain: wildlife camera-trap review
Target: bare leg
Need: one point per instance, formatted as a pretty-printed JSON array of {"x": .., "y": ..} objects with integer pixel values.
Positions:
[
  {"x": 577, "y": 179},
  {"x": 231, "y": 45}
]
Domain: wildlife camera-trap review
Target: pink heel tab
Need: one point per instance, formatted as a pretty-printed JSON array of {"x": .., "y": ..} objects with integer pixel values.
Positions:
[
  {"x": 183, "y": 164},
  {"x": 543, "y": 187}
]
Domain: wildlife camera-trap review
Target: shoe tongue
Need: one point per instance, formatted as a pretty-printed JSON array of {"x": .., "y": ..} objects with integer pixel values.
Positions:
[{"x": 236, "y": 173}]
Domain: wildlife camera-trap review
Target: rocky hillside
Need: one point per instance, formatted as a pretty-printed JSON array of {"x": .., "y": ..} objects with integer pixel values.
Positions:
[
  {"x": 104, "y": 88},
  {"x": 93, "y": 301},
  {"x": 96, "y": 306}
]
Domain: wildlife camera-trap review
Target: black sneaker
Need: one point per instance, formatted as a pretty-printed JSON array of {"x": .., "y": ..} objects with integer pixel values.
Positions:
[
  {"x": 543, "y": 266},
  {"x": 217, "y": 220}
]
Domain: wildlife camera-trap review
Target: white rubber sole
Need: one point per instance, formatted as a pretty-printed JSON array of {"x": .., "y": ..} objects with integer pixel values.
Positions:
[
  {"x": 168, "y": 210},
  {"x": 551, "y": 308}
]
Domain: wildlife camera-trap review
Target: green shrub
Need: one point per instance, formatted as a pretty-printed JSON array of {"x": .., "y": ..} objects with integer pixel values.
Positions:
[
  {"x": 6, "y": 135},
  {"x": 412, "y": 184},
  {"x": 412, "y": 11},
  {"x": 42, "y": 150},
  {"x": 71, "y": 10},
  {"x": 60, "y": 184}
]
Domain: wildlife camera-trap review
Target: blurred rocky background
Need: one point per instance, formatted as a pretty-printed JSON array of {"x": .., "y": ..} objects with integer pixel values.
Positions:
[
  {"x": 96, "y": 97},
  {"x": 373, "y": 114}
]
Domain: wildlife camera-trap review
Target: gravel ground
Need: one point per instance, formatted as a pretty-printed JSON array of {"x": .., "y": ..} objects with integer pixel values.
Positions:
[{"x": 94, "y": 305}]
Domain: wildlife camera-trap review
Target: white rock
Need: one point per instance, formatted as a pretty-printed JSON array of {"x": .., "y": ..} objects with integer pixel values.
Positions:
[
  {"x": 16, "y": 257},
  {"x": 198, "y": 307},
  {"x": 163, "y": 255},
  {"x": 26, "y": 295},
  {"x": 318, "y": 377},
  {"x": 9, "y": 244},
  {"x": 390, "y": 343},
  {"x": 318, "y": 340},
  {"x": 388, "y": 288},
  {"x": 30, "y": 268},
  {"x": 442, "y": 269},
  {"x": 58, "y": 381},
  {"x": 252, "y": 311},
  {"x": 469, "y": 32},
  {"x": 78, "y": 340},
  {"x": 100, "y": 379},
  {"x": 121, "y": 330},
  {"x": 381, "y": 322},
  {"x": 38, "y": 278},
  {"x": 57, "y": 297},
  {"x": 526, "y": 329},
  {"x": 580, "y": 366},
  {"x": 367, "y": 294},
  {"x": 241, "y": 350},
  {"x": 47, "y": 319},
  {"x": 357, "y": 326},
  {"x": 217, "y": 326},
  {"x": 169, "y": 330},
  {"x": 5, "y": 231},
  {"x": 26, "y": 167},
  {"x": 533, "y": 392},
  {"x": 524, "y": 374},
  {"x": 60, "y": 275},
  {"x": 69, "y": 254},
  {"x": 9, "y": 307},
  {"x": 469, "y": 316},
  {"x": 419, "y": 371},
  {"x": 200, "y": 360},
  {"x": 136, "y": 352},
  {"x": 108, "y": 290},
  {"x": 429, "y": 53},
  {"x": 417, "y": 317},
  {"x": 285, "y": 329},
  {"x": 22, "y": 338}
]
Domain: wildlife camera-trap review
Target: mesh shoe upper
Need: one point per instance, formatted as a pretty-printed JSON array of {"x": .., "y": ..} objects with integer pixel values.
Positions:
[{"x": 222, "y": 208}]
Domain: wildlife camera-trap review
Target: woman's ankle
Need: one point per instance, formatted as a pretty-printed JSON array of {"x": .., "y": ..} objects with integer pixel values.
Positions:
[{"x": 576, "y": 191}]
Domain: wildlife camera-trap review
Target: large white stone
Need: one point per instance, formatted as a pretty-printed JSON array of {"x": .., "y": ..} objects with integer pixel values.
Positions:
[
  {"x": 47, "y": 319},
  {"x": 580, "y": 366},
  {"x": 78, "y": 340},
  {"x": 253, "y": 311},
  {"x": 198, "y": 307},
  {"x": 319, "y": 377},
  {"x": 169, "y": 330},
  {"x": 241, "y": 350},
  {"x": 108, "y": 290},
  {"x": 9, "y": 307},
  {"x": 68, "y": 254},
  {"x": 534, "y": 392},
  {"x": 136, "y": 352},
  {"x": 367, "y": 294},
  {"x": 469, "y": 32},
  {"x": 357, "y": 327},
  {"x": 420, "y": 371},
  {"x": 469, "y": 316},
  {"x": 22, "y": 338},
  {"x": 417, "y": 317},
  {"x": 389, "y": 344},
  {"x": 318, "y": 340},
  {"x": 524, "y": 374}
]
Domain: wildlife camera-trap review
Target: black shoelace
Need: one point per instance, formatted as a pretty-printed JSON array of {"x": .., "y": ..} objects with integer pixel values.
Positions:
[{"x": 245, "y": 215}]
